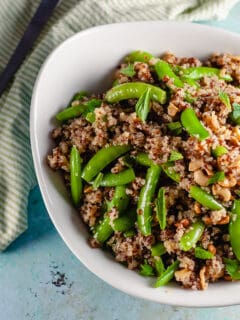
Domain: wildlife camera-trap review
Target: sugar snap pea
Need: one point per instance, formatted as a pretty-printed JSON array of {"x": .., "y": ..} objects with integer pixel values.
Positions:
[
  {"x": 101, "y": 159},
  {"x": 126, "y": 221},
  {"x": 117, "y": 179},
  {"x": 132, "y": 90},
  {"x": 161, "y": 67},
  {"x": 219, "y": 151},
  {"x": 197, "y": 73},
  {"x": 158, "y": 249},
  {"x": 144, "y": 209},
  {"x": 192, "y": 124},
  {"x": 75, "y": 175},
  {"x": 76, "y": 111},
  {"x": 139, "y": 56},
  {"x": 159, "y": 265},
  {"x": 191, "y": 237},
  {"x": 120, "y": 201},
  {"x": 205, "y": 198},
  {"x": 234, "y": 228},
  {"x": 161, "y": 209},
  {"x": 143, "y": 159},
  {"x": 192, "y": 82},
  {"x": 203, "y": 254}
]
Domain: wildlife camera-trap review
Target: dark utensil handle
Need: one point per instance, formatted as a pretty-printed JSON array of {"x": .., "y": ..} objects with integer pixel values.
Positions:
[{"x": 34, "y": 28}]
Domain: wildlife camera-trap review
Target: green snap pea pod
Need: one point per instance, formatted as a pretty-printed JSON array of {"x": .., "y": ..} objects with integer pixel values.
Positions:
[
  {"x": 117, "y": 179},
  {"x": 197, "y": 73},
  {"x": 191, "y": 237},
  {"x": 144, "y": 209},
  {"x": 104, "y": 230},
  {"x": 159, "y": 265},
  {"x": 163, "y": 69},
  {"x": 76, "y": 111},
  {"x": 101, "y": 159},
  {"x": 139, "y": 56},
  {"x": 143, "y": 159},
  {"x": 203, "y": 254},
  {"x": 75, "y": 175},
  {"x": 192, "y": 124},
  {"x": 132, "y": 90},
  {"x": 161, "y": 209},
  {"x": 120, "y": 201},
  {"x": 125, "y": 222},
  {"x": 234, "y": 229},
  {"x": 206, "y": 199},
  {"x": 219, "y": 151},
  {"x": 170, "y": 172},
  {"x": 167, "y": 275},
  {"x": 158, "y": 249},
  {"x": 192, "y": 82}
]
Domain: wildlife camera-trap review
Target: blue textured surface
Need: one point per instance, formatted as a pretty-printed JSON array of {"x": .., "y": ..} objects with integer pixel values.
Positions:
[{"x": 41, "y": 279}]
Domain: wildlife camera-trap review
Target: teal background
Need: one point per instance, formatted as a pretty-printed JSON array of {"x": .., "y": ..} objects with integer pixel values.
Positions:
[{"x": 39, "y": 258}]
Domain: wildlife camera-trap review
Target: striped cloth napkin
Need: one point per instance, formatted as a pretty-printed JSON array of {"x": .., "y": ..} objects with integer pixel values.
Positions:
[{"x": 16, "y": 168}]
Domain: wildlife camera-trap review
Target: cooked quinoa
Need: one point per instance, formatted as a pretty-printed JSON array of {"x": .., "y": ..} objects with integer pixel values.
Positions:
[{"x": 118, "y": 124}]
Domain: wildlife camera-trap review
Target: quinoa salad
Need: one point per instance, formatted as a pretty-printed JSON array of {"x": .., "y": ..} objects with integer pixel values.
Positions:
[{"x": 153, "y": 166}]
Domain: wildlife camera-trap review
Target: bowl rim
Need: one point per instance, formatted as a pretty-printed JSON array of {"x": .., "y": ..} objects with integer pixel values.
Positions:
[{"x": 33, "y": 142}]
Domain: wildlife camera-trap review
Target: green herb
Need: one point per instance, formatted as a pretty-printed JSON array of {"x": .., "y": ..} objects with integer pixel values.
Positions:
[
  {"x": 235, "y": 115},
  {"x": 175, "y": 127},
  {"x": 158, "y": 249},
  {"x": 159, "y": 266},
  {"x": 219, "y": 151},
  {"x": 200, "y": 253},
  {"x": 170, "y": 172},
  {"x": 98, "y": 180},
  {"x": 232, "y": 268},
  {"x": 143, "y": 105},
  {"x": 128, "y": 71},
  {"x": 79, "y": 95},
  {"x": 167, "y": 275},
  {"x": 175, "y": 155},
  {"x": 146, "y": 270},
  {"x": 161, "y": 208},
  {"x": 225, "y": 99},
  {"x": 218, "y": 176},
  {"x": 90, "y": 117}
]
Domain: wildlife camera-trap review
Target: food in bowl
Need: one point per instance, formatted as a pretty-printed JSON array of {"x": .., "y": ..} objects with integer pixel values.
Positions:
[{"x": 153, "y": 166}]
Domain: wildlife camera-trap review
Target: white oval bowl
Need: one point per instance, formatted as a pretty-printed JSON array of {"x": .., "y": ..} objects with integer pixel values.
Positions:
[{"x": 86, "y": 62}]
